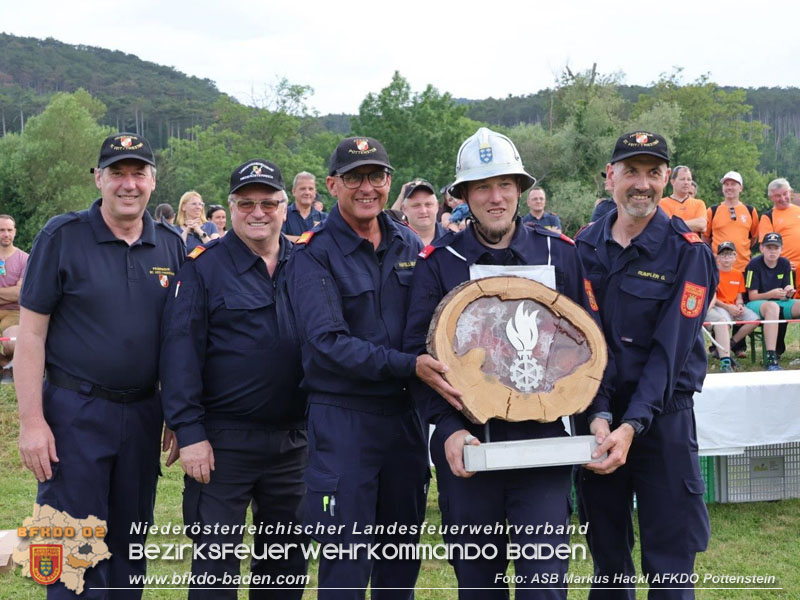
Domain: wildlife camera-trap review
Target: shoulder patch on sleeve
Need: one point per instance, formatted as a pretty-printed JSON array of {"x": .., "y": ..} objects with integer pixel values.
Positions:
[
  {"x": 305, "y": 237},
  {"x": 566, "y": 238},
  {"x": 196, "y": 252},
  {"x": 427, "y": 251},
  {"x": 692, "y": 237},
  {"x": 587, "y": 286},
  {"x": 692, "y": 299}
]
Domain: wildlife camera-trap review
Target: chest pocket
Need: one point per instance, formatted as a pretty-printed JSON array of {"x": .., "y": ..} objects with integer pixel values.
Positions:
[
  {"x": 404, "y": 276},
  {"x": 358, "y": 302},
  {"x": 640, "y": 302},
  {"x": 241, "y": 320},
  {"x": 246, "y": 301}
]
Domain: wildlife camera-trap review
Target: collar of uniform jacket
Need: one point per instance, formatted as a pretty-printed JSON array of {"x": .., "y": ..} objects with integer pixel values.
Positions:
[
  {"x": 649, "y": 241},
  {"x": 347, "y": 239},
  {"x": 243, "y": 257},
  {"x": 473, "y": 250},
  {"x": 103, "y": 234}
]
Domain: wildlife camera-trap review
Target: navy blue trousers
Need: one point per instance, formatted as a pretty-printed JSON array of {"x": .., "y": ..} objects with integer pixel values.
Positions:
[
  {"x": 108, "y": 467},
  {"x": 367, "y": 469},
  {"x": 663, "y": 469},
  {"x": 518, "y": 497},
  {"x": 262, "y": 467}
]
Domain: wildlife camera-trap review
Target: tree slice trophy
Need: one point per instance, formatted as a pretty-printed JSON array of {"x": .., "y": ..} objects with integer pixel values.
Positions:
[{"x": 518, "y": 350}]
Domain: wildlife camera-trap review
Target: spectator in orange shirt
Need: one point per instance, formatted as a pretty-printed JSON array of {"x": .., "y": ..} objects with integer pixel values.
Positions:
[
  {"x": 783, "y": 218},
  {"x": 732, "y": 221},
  {"x": 682, "y": 204},
  {"x": 728, "y": 305}
]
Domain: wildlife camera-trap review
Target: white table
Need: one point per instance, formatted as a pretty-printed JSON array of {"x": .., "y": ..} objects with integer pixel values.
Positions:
[{"x": 757, "y": 408}]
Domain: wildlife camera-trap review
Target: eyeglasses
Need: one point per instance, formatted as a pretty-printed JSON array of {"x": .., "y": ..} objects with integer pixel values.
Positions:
[
  {"x": 267, "y": 206},
  {"x": 353, "y": 180},
  {"x": 732, "y": 209}
]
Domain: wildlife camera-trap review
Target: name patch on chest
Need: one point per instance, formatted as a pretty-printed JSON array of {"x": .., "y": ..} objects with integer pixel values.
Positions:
[
  {"x": 651, "y": 275},
  {"x": 408, "y": 264}
]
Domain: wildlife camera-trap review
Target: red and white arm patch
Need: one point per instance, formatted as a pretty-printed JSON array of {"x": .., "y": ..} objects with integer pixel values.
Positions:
[
  {"x": 587, "y": 285},
  {"x": 692, "y": 299}
]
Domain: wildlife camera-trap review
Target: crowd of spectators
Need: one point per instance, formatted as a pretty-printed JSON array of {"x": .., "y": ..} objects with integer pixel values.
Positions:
[{"x": 732, "y": 229}]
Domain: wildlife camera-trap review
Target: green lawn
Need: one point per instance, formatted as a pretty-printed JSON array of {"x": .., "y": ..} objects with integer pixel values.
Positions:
[{"x": 757, "y": 538}]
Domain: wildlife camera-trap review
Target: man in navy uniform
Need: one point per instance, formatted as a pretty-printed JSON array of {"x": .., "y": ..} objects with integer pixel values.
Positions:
[
  {"x": 652, "y": 278},
  {"x": 91, "y": 303},
  {"x": 230, "y": 382},
  {"x": 537, "y": 200},
  {"x": 302, "y": 215},
  {"x": 348, "y": 283},
  {"x": 522, "y": 497}
]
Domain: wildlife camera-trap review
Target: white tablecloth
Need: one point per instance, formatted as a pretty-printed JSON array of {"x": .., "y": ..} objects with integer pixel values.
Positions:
[{"x": 756, "y": 408}]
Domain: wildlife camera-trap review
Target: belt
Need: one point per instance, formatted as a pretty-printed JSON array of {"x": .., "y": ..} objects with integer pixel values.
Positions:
[{"x": 64, "y": 380}]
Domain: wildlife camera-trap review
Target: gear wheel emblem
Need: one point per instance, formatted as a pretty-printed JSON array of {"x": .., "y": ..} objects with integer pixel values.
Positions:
[{"x": 526, "y": 373}]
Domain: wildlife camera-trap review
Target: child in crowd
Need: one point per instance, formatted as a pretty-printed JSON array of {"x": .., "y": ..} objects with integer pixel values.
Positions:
[
  {"x": 456, "y": 219},
  {"x": 728, "y": 305},
  {"x": 769, "y": 280}
]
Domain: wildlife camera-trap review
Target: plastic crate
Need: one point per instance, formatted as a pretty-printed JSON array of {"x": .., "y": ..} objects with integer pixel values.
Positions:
[
  {"x": 708, "y": 467},
  {"x": 760, "y": 473}
]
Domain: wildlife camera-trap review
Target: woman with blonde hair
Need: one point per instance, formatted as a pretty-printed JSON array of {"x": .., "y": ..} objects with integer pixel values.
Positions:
[{"x": 191, "y": 222}]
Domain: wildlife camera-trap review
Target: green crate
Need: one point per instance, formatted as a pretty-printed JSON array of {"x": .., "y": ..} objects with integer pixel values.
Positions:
[{"x": 708, "y": 469}]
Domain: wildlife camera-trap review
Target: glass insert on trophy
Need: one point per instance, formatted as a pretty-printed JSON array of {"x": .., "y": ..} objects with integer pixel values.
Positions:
[{"x": 519, "y": 350}]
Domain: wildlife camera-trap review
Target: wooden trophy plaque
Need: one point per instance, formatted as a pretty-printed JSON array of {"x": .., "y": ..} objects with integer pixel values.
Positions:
[{"x": 518, "y": 350}]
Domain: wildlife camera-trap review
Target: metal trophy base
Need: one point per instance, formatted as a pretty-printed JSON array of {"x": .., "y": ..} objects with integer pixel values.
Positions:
[{"x": 524, "y": 454}]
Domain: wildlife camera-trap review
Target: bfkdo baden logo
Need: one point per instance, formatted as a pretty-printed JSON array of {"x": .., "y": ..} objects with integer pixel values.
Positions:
[
  {"x": 54, "y": 546},
  {"x": 46, "y": 562}
]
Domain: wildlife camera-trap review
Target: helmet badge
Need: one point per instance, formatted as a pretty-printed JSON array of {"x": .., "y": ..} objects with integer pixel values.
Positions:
[{"x": 484, "y": 147}]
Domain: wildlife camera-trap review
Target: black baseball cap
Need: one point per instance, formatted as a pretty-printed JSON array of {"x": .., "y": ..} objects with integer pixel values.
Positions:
[
  {"x": 124, "y": 146},
  {"x": 772, "y": 238},
  {"x": 354, "y": 152},
  {"x": 417, "y": 184},
  {"x": 256, "y": 170},
  {"x": 726, "y": 247},
  {"x": 640, "y": 142}
]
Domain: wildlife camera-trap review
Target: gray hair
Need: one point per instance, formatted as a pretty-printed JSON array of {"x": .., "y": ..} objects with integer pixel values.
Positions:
[
  {"x": 778, "y": 184},
  {"x": 677, "y": 170},
  {"x": 304, "y": 175}
]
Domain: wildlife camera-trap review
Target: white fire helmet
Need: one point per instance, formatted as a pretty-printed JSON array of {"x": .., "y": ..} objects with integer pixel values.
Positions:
[{"x": 486, "y": 154}]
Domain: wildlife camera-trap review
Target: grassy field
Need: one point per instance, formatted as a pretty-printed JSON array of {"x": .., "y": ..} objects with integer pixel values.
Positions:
[{"x": 756, "y": 538}]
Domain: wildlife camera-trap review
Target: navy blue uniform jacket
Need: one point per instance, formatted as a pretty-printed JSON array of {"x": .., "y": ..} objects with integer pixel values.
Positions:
[
  {"x": 349, "y": 303},
  {"x": 652, "y": 297},
  {"x": 227, "y": 355}
]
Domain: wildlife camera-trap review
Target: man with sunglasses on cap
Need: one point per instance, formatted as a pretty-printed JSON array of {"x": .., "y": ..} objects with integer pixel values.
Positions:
[
  {"x": 732, "y": 221},
  {"x": 490, "y": 177},
  {"x": 231, "y": 372},
  {"x": 652, "y": 279},
  {"x": 91, "y": 307},
  {"x": 348, "y": 281}
]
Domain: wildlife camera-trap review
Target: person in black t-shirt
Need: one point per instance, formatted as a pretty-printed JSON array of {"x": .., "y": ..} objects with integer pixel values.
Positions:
[{"x": 769, "y": 280}]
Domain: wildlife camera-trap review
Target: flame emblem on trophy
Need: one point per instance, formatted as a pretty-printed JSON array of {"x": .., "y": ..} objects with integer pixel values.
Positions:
[{"x": 525, "y": 372}]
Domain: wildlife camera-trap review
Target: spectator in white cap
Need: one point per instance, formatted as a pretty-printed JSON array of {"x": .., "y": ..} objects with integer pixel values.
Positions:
[{"x": 732, "y": 221}]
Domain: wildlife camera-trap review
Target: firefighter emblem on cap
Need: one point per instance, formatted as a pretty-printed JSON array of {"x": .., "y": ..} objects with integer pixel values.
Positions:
[{"x": 362, "y": 145}]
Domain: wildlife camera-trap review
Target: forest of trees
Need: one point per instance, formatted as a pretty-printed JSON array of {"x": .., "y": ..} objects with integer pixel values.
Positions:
[{"x": 57, "y": 102}]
